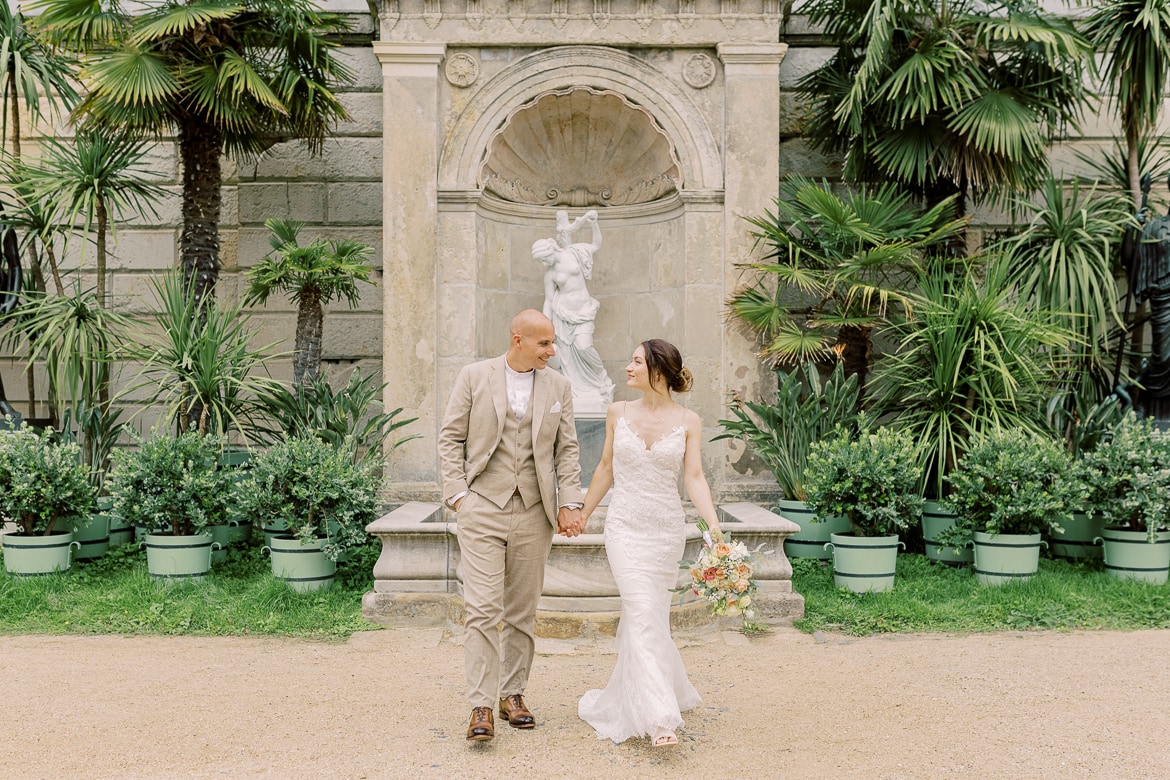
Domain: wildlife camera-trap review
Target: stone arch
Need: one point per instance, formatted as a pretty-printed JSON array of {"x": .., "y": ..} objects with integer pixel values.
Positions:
[{"x": 564, "y": 67}]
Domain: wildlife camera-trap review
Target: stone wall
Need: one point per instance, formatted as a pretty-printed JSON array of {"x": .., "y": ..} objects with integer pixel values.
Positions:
[
  {"x": 337, "y": 195},
  {"x": 645, "y": 278}
]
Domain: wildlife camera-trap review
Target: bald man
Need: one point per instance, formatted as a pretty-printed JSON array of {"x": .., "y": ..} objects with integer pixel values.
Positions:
[{"x": 508, "y": 454}]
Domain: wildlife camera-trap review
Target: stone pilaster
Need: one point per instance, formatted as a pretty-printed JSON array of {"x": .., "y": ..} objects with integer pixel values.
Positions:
[
  {"x": 410, "y": 142},
  {"x": 751, "y": 141}
]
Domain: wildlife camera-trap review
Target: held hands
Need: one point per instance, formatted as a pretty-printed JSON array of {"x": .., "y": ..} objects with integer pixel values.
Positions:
[{"x": 570, "y": 522}]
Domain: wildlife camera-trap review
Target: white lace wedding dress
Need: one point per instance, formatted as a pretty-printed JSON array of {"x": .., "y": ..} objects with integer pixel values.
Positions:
[{"x": 644, "y": 539}]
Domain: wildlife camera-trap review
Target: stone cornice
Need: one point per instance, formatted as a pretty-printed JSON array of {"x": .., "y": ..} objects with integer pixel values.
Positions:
[
  {"x": 751, "y": 53},
  {"x": 645, "y": 23},
  {"x": 406, "y": 55}
]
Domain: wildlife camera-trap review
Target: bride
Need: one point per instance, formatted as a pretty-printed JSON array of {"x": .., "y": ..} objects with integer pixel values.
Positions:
[{"x": 646, "y": 443}]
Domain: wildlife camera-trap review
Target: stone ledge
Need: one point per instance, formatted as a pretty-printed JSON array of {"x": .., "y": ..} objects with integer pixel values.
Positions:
[{"x": 416, "y": 578}]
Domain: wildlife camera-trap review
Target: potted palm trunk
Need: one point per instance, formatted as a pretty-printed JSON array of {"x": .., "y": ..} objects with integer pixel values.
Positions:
[
  {"x": 872, "y": 479},
  {"x": 174, "y": 488},
  {"x": 323, "y": 497},
  {"x": 1010, "y": 488},
  {"x": 1128, "y": 478},
  {"x": 804, "y": 410},
  {"x": 45, "y": 490}
]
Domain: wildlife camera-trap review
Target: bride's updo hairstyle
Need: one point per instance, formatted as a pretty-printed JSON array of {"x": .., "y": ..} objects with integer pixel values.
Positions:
[{"x": 663, "y": 359}]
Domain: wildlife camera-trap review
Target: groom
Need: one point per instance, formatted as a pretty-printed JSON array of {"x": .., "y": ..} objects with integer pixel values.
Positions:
[{"x": 508, "y": 433}]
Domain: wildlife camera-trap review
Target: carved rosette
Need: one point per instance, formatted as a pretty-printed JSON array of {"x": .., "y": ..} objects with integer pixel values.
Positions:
[
  {"x": 578, "y": 148},
  {"x": 699, "y": 71},
  {"x": 461, "y": 69}
]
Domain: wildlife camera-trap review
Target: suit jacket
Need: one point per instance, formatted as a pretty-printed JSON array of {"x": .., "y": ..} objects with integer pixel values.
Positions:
[{"x": 474, "y": 423}]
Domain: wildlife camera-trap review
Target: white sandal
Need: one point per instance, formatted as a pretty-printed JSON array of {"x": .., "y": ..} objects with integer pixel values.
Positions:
[{"x": 664, "y": 738}]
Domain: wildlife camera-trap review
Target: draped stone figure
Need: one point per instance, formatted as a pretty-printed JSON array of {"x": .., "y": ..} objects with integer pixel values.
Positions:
[
  {"x": 573, "y": 311},
  {"x": 1151, "y": 282}
]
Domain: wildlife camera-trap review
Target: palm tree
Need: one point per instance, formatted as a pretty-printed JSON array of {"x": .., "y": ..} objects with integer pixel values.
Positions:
[
  {"x": 944, "y": 98},
  {"x": 94, "y": 178},
  {"x": 31, "y": 75},
  {"x": 221, "y": 75},
  {"x": 833, "y": 265},
  {"x": 1134, "y": 36},
  {"x": 313, "y": 275}
]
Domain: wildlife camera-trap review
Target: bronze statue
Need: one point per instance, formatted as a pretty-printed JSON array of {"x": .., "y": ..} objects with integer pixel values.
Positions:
[{"x": 1150, "y": 281}]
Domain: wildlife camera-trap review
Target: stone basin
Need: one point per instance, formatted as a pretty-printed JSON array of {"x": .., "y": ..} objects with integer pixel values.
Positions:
[{"x": 416, "y": 578}]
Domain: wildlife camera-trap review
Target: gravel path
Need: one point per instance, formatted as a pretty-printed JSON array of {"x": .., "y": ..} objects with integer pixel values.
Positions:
[{"x": 389, "y": 704}]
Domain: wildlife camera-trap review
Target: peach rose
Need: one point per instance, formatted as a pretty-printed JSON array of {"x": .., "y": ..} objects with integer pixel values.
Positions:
[
  {"x": 721, "y": 549},
  {"x": 741, "y": 586}
]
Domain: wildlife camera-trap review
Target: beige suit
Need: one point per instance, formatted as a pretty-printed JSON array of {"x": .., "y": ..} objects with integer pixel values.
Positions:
[{"x": 517, "y": 472}]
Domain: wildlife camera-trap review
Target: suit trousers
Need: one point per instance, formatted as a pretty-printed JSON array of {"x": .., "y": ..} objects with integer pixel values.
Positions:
[{"x": 502, "y": 557}]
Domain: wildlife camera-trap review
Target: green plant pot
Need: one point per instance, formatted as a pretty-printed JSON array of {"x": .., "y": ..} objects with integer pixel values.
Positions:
[
  {"x": 864, "y": 564},
  {"x": 273, "y": 530},
  {"x": 93, "y": 539},
  {"x": 1005, "y": 558},
  {"x": 303, "y": 566},
  {"x": 178, "y": 557},
  {"x": 935, "y": 521},
  {"x": 221, "y": 536},
  {"x": 1130, "y": 556},
  {"x": 809, "y": 542},
  {"x": 30, "y": 556},
  {"x": 1078, "y": 537},
  {"x": 239, "y": 531},
  {"x": 120, "y": 532},
  {"x": 234, "y": 458}
]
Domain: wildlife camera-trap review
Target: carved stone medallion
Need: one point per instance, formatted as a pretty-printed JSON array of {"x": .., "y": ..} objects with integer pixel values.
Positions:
[
  {"x": 462, "y": 69},
  {"x": 699, "y": 71}
]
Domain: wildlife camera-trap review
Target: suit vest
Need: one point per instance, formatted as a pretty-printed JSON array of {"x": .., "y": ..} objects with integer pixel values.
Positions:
[{"x": 512, "y": 465}]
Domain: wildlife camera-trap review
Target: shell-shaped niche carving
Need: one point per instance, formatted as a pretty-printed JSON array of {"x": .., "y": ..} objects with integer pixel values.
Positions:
[{"x": 580, "y": 147}]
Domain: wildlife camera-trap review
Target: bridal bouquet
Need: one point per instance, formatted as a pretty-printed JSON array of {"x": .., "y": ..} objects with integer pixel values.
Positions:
[{"x": 722, "y": 575}]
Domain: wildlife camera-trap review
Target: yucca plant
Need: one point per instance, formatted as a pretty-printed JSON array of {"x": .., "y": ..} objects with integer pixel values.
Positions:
[
  {"x": 833, "y": 266},
  {"x": 1063, "y": 262},
  {"x": 200, "y": 366},
  {"x": 970, "y": 358},
  {"x": 311, "y": 276},
  {"x": 347, "y": 417},
  {"x": 77, "y": 341},
  {"x": 1133, "y": 36},
  {"x": 97, "y": 177}
]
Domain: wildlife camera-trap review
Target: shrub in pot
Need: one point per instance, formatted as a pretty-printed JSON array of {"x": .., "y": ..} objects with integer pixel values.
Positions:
[
  {"x": 323, "y": 497},
  {"x": 781, "y": 432},
  {"x": 174, "y": 488},
  {"x": 1011, "y": 486},
  {"x": 45, "y": 490},
  {"x": 871, "y": 478},
  {"x": 1128, "y": 480}
]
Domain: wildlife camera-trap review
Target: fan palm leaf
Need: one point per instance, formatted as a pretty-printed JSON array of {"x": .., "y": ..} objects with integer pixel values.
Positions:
[{"x": 221, "y": 76}]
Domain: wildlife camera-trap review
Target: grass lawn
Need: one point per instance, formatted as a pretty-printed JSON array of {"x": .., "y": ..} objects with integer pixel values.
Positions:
[
  {"x": 934, "y": 597},
  {"x": 114, "y": 595}
]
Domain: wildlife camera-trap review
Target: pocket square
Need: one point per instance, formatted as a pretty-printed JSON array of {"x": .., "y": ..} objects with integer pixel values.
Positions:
[{"x": 555, "y": 408}]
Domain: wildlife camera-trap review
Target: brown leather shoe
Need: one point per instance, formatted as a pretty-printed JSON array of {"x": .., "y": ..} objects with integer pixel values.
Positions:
[
  {"x": 481, "y": 727},
  {"x": 518, "y": 715}
]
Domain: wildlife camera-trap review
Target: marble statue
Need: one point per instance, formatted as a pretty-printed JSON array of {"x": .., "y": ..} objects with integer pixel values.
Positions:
[{"x": 573, "y": 311}]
